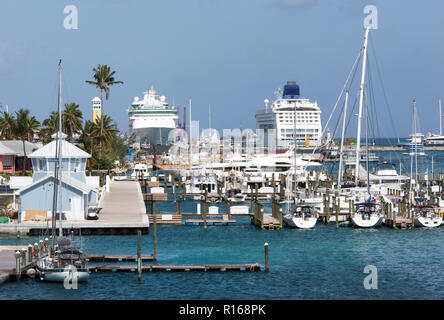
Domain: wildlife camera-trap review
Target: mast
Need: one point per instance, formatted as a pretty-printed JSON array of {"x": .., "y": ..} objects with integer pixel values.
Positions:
[
  {"x": 190, "y": 154},
  {"x": 411, "y": 153},
  {"x": 209, "y": 116},
  {"x": 59, "y": 155},
  {"x": 440, "y": 118},
  {"x": 361, "y": 96},
  {"x": 341, "y": 153}
]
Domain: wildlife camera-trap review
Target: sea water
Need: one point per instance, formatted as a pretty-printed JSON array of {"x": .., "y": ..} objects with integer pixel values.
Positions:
[{"x": 322, "y": 263}]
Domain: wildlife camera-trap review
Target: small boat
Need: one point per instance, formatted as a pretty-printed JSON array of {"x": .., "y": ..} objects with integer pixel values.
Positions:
[
  {"x": 301, "y": 217},
  {"x": 426, "y": 215},
  {"x": 141, "y": 171}
]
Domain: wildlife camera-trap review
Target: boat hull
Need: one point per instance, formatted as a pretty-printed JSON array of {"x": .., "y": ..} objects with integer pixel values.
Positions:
[
  {"x": 152, "y": 135},
  {"x": 427, "y": 222},
  {"x": 60, "y": 275},
  {"x": 374, "y": 221},
  {"x": 299, "y": 222}
]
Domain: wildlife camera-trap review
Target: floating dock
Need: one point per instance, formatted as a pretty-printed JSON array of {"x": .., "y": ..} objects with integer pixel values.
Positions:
[{"x": 178, "y": 268}]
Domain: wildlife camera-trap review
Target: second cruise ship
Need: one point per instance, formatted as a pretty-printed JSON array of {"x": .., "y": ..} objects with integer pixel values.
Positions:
[{"x": 278, "y": 119}]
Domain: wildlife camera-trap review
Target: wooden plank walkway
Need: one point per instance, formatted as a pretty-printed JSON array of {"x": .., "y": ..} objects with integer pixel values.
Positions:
[
  {"x": 166, "y": 219},
  {"x": 116, "y": 258},
  {"x": 210, "y": 222},
  {"x": 178, "y": 268}
]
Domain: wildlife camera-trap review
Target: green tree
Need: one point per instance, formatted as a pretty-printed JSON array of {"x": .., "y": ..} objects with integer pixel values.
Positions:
[
  {"x": 49, "y": 127},
  {"x": 7, "y": 125},
  {"x": 103, "y": 78},
  {"x": 26, "y": 127},
  {"x": 72, "y": 120}
]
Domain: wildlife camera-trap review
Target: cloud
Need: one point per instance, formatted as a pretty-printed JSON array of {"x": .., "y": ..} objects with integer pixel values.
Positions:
[
  {"x": 9, "y": 51},
  {"x": 296, "y": 3}
]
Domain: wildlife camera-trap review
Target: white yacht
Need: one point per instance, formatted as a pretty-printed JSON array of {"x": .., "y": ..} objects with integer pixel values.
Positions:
[
  {"x": 426, "y": 215},
  {"x": 151, "y": 119},
  {"x": 281, "y": 114}
]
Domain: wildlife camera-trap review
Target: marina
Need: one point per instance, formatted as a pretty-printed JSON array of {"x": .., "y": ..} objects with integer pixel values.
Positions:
[{"x": 229, "y": 151}]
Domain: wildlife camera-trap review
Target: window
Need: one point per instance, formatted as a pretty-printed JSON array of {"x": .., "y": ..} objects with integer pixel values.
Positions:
[
  {"x": 78, "y": 165},
  {"x": 39, "y": 165},
  {"x": 7, "y": 163}
]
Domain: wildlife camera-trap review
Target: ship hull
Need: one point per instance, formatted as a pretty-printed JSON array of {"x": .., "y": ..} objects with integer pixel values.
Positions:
[{"x": 153, "y": 135}]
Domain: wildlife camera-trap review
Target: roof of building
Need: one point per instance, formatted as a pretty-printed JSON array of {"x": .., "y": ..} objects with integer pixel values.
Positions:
[
  {"x": 66, "y": 179},
  {"x": 15, "y": 147},
  {"x": 69, "y": 150}
]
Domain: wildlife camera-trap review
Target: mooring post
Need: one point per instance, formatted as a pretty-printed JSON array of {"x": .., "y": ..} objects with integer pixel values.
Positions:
[
  {"x": 36, "y": 250},
  {"x": 154, "y": 238},
  {"x": 18, "y": 271},
  {"x": 174, "y": 190},
  {"x": 266, "y": 257},
  {"x": 228, "y": 209},
  {"x": 30, "y": 252},
  {"x": 251, "y": 201},
  {"x": 178, "y": 205},
  {"x": 139, "y": 260},
  {"x": 337, "y": 212},
  {"x": 153, "y": 206},
  {"x": 23, "y": 254}
]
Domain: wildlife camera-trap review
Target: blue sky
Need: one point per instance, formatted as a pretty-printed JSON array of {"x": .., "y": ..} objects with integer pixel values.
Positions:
[{"x": 231, "y": 54}]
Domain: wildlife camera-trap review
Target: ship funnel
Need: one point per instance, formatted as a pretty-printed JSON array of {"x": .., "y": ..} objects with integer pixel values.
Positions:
[{"x": 266, "y": 101}]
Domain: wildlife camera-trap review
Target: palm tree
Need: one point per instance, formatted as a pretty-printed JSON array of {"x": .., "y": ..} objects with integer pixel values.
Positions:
[
  {"x": 7, "y": 125},
  {"x": 72, "y": 120},
  {"x": 26, "y": 127},
  {"x": 104, "y": 78},
  {"x": 106, "y": 132},
  {"x": 50, "y": 127}
]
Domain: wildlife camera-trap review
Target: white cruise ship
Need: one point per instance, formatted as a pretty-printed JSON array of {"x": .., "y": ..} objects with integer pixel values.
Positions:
[
  {"x": 151, "y": 119},
  {"x": 280, "y": 116}
]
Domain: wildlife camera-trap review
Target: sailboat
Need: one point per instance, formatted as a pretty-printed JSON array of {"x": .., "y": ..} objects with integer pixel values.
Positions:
[
  {"x": 424, "y": 215},
  {"x": 368, "y": 213},
  {"x": 62, "y": 262},
  {"x": 299, "y": 215}
]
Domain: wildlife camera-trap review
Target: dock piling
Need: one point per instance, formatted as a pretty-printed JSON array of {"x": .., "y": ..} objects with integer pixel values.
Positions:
[
  {"x": 139, "y": 259},
  {"x": 155, "y": 238},
  {"x": 266, "y": 257}
]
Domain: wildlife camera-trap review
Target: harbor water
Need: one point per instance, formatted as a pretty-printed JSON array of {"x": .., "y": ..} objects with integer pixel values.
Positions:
[{"x": 322, "y": 263}]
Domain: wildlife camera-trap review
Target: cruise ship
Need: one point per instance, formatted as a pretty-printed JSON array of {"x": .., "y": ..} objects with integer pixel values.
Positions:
[
  {"x": 151, "y": 119},
  {"x": 280, "y": 117}
]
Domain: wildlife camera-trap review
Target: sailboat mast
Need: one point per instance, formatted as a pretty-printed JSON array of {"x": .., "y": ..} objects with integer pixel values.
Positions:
[
  {"x": 411, "y": 153},
  {"x": 440, "y": 118},
  {"x": 341, "y": 152},
  {"x": 361, "y": 96},
  {"x": 59, "y": 155},
  {"x": 190, "y": 154}
]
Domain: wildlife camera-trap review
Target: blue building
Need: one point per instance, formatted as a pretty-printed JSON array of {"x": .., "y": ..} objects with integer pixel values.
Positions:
[{"x": 36, "y": 199}]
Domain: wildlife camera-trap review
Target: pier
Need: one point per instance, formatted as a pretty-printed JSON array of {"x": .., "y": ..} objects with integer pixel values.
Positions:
[
  {"x": 178, "y": 268},
  {"x": 123, "y": 212}
]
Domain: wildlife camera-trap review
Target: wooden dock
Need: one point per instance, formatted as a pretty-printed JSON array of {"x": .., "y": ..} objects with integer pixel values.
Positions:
[
  {"x": 8, "y": 263},
  {"x": 116, "y": 258},
  {"x": 178, "y": 268},
  {"x": 166, "y": 219},
  {"x": 269, "y": 221},
  {"x": 123, "y": 212}
]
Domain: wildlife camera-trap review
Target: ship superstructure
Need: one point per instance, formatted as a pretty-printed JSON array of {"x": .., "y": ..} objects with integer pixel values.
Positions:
[
  {"x": 280, "y": 116},
  {"x": 151, "y": 119}
]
